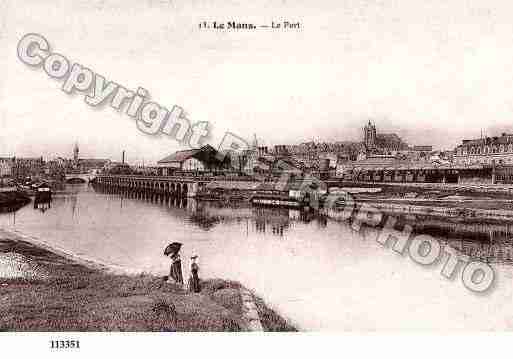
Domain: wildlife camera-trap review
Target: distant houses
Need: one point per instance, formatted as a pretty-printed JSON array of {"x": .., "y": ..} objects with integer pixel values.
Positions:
[
  {"x": 486, "y": 150},
  {"x": 117, "y": 168},
  {"x": 6, "y": 164}
]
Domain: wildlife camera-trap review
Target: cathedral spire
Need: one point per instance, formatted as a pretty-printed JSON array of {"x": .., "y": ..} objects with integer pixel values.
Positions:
[{"x": 369, "y": 135}]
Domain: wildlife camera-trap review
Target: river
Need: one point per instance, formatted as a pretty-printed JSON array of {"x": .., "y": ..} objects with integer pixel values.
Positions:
[{"x": 319, "y": 273}]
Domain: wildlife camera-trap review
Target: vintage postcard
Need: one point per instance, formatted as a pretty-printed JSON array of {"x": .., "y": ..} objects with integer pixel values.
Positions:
[{"x": 264, "y": 166}]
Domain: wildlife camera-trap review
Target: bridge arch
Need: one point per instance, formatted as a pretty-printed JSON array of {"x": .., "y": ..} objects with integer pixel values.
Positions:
[{"x": 77, "y": 177}]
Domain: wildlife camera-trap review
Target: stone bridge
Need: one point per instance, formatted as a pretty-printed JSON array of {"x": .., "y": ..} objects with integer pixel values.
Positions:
[
  {"x": 79, "y": 177},
  {"x": 176, "y": 186}
]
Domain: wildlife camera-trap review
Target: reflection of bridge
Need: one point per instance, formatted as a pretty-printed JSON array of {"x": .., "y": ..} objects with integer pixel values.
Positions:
[{"x": 79, "y": 177}]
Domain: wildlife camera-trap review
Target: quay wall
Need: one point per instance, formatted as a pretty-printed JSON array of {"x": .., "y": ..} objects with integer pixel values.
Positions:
[{"x": 464, "y": 187}]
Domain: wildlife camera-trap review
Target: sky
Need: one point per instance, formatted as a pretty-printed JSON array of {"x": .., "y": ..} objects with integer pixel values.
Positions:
[{"x": 434, "y": 72}]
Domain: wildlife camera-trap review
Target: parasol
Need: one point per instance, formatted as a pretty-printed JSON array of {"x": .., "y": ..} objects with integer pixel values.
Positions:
[{"x": 172, "y": 248}]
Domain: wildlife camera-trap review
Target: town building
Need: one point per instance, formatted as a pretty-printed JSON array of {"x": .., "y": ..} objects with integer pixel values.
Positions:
[
  {"x": 27, "y": 167},
  {"x": 117, "y": 168},
  {"x": 6, "y": 164},
  {"x": 388, "y": 168},
  {"x": 496, "y": 150},
  {"x": 92, "y": 164},
  {"x": 257, "y": 159},
  {"x": 281, "y": 150},
  {"x": 56, "y": 168},
  {"x": 144, "y": 170},
  {"x": 201, "y": 159},
  {"x": 312, "y": 155}
]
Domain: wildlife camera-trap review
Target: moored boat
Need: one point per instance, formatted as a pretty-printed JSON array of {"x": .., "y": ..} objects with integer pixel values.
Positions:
[
  {"x": 43, "y": 193},
  {"x": 275, "y": 195},
  {"x": 275, "y": 200}
]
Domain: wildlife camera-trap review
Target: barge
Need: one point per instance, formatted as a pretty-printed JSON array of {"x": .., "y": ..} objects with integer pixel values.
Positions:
[
  {"x": 291, "y": 196},
  {"x": 276, "y": 201},
  {"x": 43, "y": 193}
]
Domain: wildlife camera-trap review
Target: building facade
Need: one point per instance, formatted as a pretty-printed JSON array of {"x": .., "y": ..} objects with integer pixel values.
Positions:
[
  {"x": 202, "y": 159},
  {"x": 27, "y": 167},
  {"x": 497, "y": 150},
  {"x": 6, "y": 164}
]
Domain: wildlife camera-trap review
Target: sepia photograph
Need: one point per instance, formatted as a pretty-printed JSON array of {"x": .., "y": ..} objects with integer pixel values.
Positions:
[{"x": 171, "y": 166}]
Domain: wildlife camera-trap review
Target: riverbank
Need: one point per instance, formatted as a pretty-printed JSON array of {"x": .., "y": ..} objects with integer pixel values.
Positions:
[
  {"x": 434, "y": 190},
  {"x": 461, "y": 211},
  {"x": 44, "y": 290},
  {"x": 439, "y": 200},
  {"x": 10, "y": 200}
]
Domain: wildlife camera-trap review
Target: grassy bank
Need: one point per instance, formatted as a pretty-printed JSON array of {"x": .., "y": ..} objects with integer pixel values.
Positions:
[{"x": 43, "y": 291}]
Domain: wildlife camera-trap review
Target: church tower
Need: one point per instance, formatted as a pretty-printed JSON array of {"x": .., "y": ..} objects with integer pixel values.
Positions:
[
  {"x": 254, "y": 144},
  {"x": 75, "y": 152},
  {"x": 369, "y": 135}
]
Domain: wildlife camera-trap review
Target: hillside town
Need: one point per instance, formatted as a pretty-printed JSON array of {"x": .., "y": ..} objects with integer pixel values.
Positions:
[{"x": 378, "y": 157}]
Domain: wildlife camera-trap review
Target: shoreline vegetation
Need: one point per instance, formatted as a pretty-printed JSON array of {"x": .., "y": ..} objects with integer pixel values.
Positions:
[{"x": 44, "y": 290}]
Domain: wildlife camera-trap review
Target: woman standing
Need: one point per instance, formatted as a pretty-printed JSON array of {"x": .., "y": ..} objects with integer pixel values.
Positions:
[
  {"x": 175, "y": 271},
  {"x": 194, "y": 282}
]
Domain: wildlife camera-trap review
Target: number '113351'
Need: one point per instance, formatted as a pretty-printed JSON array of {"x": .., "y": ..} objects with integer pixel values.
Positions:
[{"x": 64, "y": 344}]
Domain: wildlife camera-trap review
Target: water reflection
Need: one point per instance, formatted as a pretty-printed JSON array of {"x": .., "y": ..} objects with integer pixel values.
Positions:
[
  {"x": 271, "y": 220},
  {"x": 487, "y": 241},
  {"x": 207, "y": 214},
  {"x": 42, "y": 206}
]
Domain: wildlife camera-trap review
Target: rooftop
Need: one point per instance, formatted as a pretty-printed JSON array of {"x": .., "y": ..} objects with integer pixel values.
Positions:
[
  {"x": 206, "y": 154},
  {"x": 179, "y": 156}
]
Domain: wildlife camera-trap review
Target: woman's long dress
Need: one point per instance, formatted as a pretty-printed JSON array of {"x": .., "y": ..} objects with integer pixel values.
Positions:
[
  {"x": 194, "y": 282},
  {"x": 176, "y": 270}
]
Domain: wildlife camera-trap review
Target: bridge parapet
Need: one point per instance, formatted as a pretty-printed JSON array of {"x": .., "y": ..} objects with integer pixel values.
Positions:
[{"x": 181, "y": 178}]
